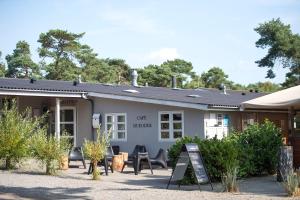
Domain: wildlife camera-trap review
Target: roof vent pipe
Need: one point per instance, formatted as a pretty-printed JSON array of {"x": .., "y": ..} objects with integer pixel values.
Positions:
[
  {"x": 79, "y": 79},
  {"x": 174, "y": 84},
  {"x": 134, "y": 76},
  {"x": 224, "y": 89}
]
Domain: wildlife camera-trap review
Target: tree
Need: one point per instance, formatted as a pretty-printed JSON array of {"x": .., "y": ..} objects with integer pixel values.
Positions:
[
  {"x": 15, "y": 131},
  {"x": 2, "y": 67},
  {"x": 283, "y": 48},
  {"x": 121, "y": 70},
  {"x": 195, "y": 82},
  {"x": 20, "y": 64},
  {"x": 214, "y": 77},
  {"x": 61, "y": 47},
  {"x": 264, "y": 86},
  {"x": 160, "y": 75}
]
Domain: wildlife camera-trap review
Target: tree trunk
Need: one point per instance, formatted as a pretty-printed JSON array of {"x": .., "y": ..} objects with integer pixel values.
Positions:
[
  {"x": 48, "y": 167},
  {"x": 7, "y": 163}
]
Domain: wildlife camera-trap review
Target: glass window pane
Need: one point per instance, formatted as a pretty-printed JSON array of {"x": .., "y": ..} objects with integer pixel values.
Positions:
[
  {"x": 164, "y": 126},
  {"x": 66, "y": 116},
  {"x": 177, "y": 117},
  {"x": 177, "y": 125},
  {"x": 121, "y": 118},
  {"x": 164, "y": 117},
  {"x": 121, "y": 135},
  {"x": 68, "y": 128},
  {"x": 165, "y": 134},
  {"x": 177, "y": 134},
  {"x": 109, "y": 119},
  {"x": 108, "y": 126},
  {"x": 121, "y": 127}
]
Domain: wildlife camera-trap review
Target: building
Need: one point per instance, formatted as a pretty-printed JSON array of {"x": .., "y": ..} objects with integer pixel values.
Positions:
[
  {"x": 288, "y": 101},
  {"x": 152, "y": 116}
]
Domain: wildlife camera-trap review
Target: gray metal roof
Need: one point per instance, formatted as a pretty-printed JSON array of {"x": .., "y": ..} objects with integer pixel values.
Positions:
[{"x": 211, "y": 97}]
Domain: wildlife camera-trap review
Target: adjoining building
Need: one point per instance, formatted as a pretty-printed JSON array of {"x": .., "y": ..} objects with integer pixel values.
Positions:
[
  {"x": 287, "y": 100},
  {"x": 152, "y": 116}
]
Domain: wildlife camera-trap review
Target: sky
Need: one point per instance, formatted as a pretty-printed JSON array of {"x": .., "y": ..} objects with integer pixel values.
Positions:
[{"x": 207, "y": 33}]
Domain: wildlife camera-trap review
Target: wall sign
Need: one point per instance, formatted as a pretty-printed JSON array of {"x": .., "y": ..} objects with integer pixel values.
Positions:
[
  {"x": 190, "y": 153},
  {"x": 141, "y": 122}
]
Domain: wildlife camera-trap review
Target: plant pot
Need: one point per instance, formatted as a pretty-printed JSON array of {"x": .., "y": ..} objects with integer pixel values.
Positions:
[{"x": 64, "y": 162}]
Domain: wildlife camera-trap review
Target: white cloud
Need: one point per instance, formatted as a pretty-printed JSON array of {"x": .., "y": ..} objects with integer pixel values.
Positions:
[{"x": 162, "y": 55}]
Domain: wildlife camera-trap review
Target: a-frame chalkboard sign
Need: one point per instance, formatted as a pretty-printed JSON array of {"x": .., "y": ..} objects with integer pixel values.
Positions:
[{"x": 190, "y": 153}]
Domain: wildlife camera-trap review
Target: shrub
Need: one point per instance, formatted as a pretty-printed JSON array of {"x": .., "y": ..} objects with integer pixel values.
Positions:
[
  {"x": 95, "y": 151},
  {"x": 229, "y": 180},
  {"x": 292, "y": 184},
  {"x": 258, "y": 147},
  {"x": 218, "y": 155},
  {"x": 15, "y": 131},
  {"x": 49, "y": 149}
]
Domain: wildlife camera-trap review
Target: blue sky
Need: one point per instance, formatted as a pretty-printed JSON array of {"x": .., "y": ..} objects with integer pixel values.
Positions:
[{"x": 206, "y": 33}]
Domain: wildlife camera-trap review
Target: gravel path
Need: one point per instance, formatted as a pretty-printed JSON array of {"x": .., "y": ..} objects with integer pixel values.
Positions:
[{"x": 76, "y": 184}]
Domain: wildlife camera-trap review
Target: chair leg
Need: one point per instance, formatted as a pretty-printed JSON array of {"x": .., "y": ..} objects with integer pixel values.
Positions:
[
  {"x": 106, "y": 166},
  {"x": 150, "y": 166},
  {"x": 83, "y": 161},
  {"x": 90, "y": 169},
  {"x": 122, "y": 167},
  {"x": 111, "y": 168},
  {"x": 137, "y": 166}
]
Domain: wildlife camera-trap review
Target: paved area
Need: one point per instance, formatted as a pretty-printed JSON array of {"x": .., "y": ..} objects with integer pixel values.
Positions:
[{"x": 76, "y": 184}]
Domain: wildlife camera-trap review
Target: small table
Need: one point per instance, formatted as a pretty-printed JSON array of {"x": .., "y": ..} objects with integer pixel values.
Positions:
[{"x": 117, "y": 162}]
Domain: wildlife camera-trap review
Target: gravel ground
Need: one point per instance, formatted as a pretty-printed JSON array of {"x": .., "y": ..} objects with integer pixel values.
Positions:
[{"x": 76, "y": 184}]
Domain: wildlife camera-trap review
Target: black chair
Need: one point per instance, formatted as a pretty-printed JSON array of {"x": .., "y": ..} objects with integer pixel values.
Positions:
[
  {"x": 76, "y": 154},
  {"x": 160, "y": 159},
  {"x": 139, "y": 154},
  {"x": 116, "y": 149},
  {"x": 106, "y": 161}
]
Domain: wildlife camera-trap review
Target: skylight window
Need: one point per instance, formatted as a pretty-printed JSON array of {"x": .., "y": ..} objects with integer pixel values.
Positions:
[
  {"x": 194, "y": 95},
  {"x": 131, "y": 91}
]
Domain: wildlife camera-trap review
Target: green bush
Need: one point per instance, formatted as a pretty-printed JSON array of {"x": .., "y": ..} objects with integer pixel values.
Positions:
[
  {"x": 218, "y": 155},
  {"x": 254, "y": 152},
  {"x": 48, "y": 149},
  {"x": 258, "y": 147},
  {"x": 15, "y": 131}
]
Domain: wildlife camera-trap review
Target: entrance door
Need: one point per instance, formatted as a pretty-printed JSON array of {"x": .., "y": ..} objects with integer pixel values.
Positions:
[
  {"x": 67, "y": 123},
  {"x": 296, "y": 140}
]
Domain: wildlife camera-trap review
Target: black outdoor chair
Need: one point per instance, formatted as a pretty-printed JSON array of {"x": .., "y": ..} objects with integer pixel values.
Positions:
[
  {"x": 160, "y": 159},
  {"x": 76, "y": 154},
  {"x": 139, "y": 154},
  {"x": 106, "y": 161},
  {"x": 116, "y": 149}
]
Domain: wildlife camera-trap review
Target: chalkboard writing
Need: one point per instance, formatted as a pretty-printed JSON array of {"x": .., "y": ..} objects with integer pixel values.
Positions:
[{"x": 190, "y": 153}]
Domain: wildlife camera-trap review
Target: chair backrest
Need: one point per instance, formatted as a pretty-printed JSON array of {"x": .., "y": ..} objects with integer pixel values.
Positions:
[
  {"x": 109, "y": 152},
  {"x": 161, "y": 154},
  {"x": 76, "y": 154},
  {"x": 116, "y": 149},
  {"x": 139, "y": 149}
]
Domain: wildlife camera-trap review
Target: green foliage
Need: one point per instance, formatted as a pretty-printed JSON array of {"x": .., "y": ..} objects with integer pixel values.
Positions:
[
  {"x": 283, "y": 48},
  {"x": 259, "y": 145},
  {"x": 292, "y": 184},
  {"x": 20, "y": 64},
  {"x": 48, "y": 149},
  {"x": 229, "y": 180},
  {"x": 218, "y": 156},
  {"x": 214, "y": 77},
  {"x": 253, "y": 151},
  {"x": 95, "y": 150},
  {"x": 264, "y": 86},
  {"x": 15, "y": 132},
  {"x": 61, "y": 47},
  {"x": 160, "y": 75}
]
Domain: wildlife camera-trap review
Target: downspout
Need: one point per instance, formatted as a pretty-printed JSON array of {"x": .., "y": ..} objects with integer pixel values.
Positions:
[{"x": 84, "y": 96}]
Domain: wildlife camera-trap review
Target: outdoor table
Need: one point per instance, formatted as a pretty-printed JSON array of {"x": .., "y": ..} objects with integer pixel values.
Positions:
[
  {"x": 117, "y": 162},
  {"x": 125, "y": 155}
]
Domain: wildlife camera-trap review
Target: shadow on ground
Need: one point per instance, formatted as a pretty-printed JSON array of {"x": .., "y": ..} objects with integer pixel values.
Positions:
[{"x": 45, "y": 192}]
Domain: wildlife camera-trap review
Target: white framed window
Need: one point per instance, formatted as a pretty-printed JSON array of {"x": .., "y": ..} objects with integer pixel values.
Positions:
[
  {"x": 170, "y": 125},
  {"x": 218, "y": 120},
  {"x": 67, "y": 123},
  {"x": 117, "y": 124}
]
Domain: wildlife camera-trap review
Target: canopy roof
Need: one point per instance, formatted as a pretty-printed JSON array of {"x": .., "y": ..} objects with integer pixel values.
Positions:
[{"x": 283, "y": 99}]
